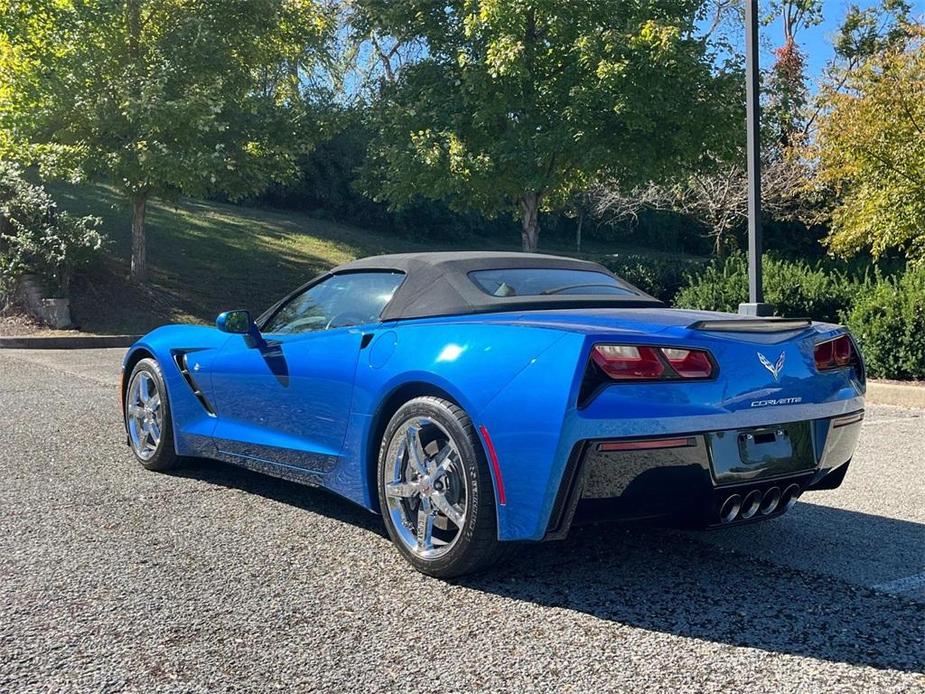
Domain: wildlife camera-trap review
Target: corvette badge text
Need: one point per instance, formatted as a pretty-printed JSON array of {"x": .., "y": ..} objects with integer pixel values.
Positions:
[{"x": 779, "y": 401}]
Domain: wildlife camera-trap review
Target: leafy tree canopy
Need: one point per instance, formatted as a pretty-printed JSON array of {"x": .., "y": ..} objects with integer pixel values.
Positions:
[
  {"x": 518, "y": 104},
  {"x": 160, "y": 96},
  {"x": 871, "y": 151}
]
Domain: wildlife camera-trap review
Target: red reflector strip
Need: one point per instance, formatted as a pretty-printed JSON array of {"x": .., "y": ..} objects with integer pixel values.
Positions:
[
  {"x": 495, "y": 468},
  {"x": 647, "y": 445}
]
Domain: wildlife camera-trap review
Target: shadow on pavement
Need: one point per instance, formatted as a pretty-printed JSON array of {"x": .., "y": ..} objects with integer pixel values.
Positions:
[
  {"x": 677, "y": 583},
  {"x": 314, "y": 499}
]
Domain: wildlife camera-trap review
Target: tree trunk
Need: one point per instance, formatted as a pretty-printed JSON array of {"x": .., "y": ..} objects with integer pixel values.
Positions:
[
  {"x": 788, "y": 22},
  {"x": 139, "y": 270},
  {"x": 529, "y": 210}
]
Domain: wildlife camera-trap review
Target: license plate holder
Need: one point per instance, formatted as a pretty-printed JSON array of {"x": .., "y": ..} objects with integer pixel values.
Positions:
[{"x": 743, "y": 455}]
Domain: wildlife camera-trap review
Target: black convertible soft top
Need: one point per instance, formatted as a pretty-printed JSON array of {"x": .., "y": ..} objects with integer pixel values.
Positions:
[{"x": 438, "y": 284}]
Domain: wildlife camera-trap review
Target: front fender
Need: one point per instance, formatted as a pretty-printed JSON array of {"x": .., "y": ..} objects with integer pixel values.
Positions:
[{"x": 192, "y": 424}]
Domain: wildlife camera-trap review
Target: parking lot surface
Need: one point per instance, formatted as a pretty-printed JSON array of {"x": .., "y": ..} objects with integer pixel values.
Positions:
[{"x": 215, "y": 578}]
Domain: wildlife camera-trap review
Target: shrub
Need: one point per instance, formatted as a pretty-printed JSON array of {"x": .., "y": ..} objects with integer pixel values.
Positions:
[
  {"x": 36, "y": 238},
  {"x": 722, "y": 286},
  {"x": 794, "y": 289},
  {"x": 888, "y": 320},
  {"x": 660, "y": 277}
]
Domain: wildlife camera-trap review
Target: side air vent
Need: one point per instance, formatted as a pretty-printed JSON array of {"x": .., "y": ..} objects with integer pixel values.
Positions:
[{"x": 181, "y": 359}]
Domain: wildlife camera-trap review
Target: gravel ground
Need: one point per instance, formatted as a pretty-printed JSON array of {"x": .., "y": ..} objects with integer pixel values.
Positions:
[{"x": 215, "y": 578}]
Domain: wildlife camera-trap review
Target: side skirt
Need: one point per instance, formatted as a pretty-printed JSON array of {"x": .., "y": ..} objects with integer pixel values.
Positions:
[{"x": 286, "y": 472}]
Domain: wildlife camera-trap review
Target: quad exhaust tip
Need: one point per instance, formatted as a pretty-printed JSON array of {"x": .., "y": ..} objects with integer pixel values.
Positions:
[
  {"x": 790, "y": 496},
  {"x": 730, "y": 508},
  {"x": 735, "y": 507},
  {"x": 769, "y": 501},
  {"x": 751, "y": 504}
]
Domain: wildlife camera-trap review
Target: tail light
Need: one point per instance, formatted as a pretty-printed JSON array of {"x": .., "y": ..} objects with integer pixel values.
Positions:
[
  {"x": 625, "y": 362},
  {"x": 635, "y": 362},
  {"x": 835, "y": 354},
  {"x": 689, "y": 363}
]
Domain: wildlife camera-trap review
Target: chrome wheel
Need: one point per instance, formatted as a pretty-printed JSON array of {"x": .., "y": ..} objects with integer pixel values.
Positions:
[
  {"x": 143, "y": 415},
  {"x": 425, "y": 487}
]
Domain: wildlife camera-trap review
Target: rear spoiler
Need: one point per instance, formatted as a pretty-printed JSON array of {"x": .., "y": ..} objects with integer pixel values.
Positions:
[{"x": 752, "y": 325}]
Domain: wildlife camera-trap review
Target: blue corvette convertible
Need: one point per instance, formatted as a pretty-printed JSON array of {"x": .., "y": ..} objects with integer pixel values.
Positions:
[{"x": 475, "y": 399}]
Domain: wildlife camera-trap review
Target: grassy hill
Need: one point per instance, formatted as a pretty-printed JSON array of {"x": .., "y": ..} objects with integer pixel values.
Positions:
[
  {"x": 207, "y": 257},
  {"x": 203, "y": 258}
]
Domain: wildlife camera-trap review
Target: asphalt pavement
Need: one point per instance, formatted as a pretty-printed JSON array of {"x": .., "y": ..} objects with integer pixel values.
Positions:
[{"x": 215, "y": 578}]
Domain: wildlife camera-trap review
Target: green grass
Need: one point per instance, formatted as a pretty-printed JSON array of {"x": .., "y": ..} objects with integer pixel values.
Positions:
[{"x": 206, "y": 257}]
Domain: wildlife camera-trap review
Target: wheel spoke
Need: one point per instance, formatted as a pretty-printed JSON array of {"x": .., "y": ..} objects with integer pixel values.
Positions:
[
  {"x": 444, "y": 460},
  {"x": 416, "y": 450},
  {"x": 154, "y": 402},
  {"x": 447, "y": 509},
  {"x": 155, "y": 431},
  {"x": 134, "y": 411},
  {"x": 443, "y": 453},
  {"x": 425, "y": 531},
  {"x": 144, "y": 394},
  {"x": 401, "y": 490}
]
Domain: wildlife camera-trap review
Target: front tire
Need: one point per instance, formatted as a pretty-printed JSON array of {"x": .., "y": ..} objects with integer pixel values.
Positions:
[
  {"x": 147, "y": 417},
  {"x": 435, "y": 492}
]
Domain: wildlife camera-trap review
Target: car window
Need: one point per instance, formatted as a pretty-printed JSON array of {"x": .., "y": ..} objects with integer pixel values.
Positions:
[
  {"x": 547, "y": 281},
  {"x": 342, "y": 300}
]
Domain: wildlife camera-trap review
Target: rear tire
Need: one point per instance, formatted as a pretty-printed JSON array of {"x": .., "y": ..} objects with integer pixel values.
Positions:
[
  {"x": 437, "y": 498},
  {"x": 147, "y": 417}
]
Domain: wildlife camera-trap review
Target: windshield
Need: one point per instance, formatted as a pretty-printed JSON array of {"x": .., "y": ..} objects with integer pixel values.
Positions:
[{"x": 548, "y": 281}]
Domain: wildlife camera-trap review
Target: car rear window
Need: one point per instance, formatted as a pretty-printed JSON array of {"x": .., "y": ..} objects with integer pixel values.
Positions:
[{"x": 548, "y": 282}]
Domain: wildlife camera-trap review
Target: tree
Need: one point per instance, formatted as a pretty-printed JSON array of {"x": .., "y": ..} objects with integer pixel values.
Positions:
[
  {"x": 871, "y": 151},
  {"x": 517, "y": 105},
  {"x": 863, "y": 33},
  {"x": 161, "y": 97},
  {"x": 787, "y": 98},
  {"x": 795, "y": 15},
  {"x": 37, "y": 238},
  {"x": 717, "y": 199}
]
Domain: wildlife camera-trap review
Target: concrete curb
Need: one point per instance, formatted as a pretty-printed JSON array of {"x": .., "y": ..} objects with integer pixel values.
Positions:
[
  {"x": 902, "y": 394},
  {"x": 67, "y": 341}
]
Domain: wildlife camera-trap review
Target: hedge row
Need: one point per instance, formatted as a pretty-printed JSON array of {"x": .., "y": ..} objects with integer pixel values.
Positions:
[
  {"x": 888, "y": 320},
  {"x": 795, "y": 289},
  {"x": 886, "y": 314}
]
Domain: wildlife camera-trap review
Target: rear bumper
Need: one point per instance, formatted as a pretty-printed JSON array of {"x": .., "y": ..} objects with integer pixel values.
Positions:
[{"x": 698, "y": 479}]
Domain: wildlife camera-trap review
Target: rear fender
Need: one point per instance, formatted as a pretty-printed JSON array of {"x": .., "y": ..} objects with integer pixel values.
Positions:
[
  {"x": 525, "y": 421},
  {"x": 468, "y": 362}
]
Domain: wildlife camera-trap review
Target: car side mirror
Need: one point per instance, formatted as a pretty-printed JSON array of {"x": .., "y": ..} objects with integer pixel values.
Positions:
[{"x": 240, "y": 322}]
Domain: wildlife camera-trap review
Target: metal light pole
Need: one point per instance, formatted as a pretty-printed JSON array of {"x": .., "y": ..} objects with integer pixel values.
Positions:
[{"x": 755, "y": 305}]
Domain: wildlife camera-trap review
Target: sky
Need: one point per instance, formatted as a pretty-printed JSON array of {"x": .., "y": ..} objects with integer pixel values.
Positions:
[{"x": 816, "y": 42}]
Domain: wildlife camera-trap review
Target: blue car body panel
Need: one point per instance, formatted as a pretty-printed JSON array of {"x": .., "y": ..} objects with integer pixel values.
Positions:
[
  {"x": 311, "y": 404},
  {"x": 288, "y": 402}
]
